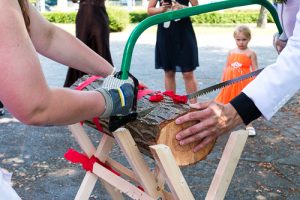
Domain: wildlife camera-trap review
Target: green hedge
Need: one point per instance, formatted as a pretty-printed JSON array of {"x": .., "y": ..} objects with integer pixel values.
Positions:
[
  {"x": 228, "y": 17},
  {"x": 225, "y": 17},
  {"x": 120, "y": 18},
  {"x": 137, "y": 16},
  {"x": 60, "y": 17}
]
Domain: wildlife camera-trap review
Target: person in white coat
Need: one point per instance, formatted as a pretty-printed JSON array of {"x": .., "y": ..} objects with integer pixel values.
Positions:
[{"x": 264, "y": 96}]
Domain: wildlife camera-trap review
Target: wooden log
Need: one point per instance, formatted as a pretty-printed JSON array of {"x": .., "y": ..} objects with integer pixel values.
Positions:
[{"x": 155, "y": 125}]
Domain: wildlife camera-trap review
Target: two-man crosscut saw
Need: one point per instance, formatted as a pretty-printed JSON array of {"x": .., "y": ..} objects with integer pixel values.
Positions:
[
  {"x": 118, "y": 121},
  {"x": 223, "y": 84}
]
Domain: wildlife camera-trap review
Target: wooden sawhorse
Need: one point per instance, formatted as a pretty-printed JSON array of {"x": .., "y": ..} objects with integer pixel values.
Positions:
[{"x": 152, "y": 182}]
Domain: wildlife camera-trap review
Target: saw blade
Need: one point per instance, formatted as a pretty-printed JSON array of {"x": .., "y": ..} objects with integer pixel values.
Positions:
[{"x": 223, "y": 84}]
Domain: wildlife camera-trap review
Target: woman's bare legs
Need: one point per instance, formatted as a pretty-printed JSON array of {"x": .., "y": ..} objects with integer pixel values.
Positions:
[
  {"x": 190, "y": 84},
  {"x": 170, "y": 82},
  {"x": 1, "y": 109}
]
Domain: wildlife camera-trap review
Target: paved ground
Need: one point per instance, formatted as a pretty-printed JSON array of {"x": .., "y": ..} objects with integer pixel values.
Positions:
[{"x": 269, "y": 167}]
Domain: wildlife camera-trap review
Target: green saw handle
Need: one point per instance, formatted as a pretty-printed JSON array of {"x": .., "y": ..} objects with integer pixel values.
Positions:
[{"x": 186, "y": 12}]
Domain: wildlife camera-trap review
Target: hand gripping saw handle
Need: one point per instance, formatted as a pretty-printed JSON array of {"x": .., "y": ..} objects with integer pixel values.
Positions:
[{"x": 116, "y": 122}]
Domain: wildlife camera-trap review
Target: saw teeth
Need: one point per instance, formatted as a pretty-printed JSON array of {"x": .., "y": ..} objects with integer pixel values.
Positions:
[{"x": 224, "y": 84}]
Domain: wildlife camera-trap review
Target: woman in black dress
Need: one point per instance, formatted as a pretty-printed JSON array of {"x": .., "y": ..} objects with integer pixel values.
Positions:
[
  {"x": 92, "y": 28},
  {"x": 176, "y": 46}
]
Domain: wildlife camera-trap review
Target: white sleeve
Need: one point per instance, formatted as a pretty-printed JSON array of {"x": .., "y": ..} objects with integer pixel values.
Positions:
[
  {"x": 277, "y": 83},
  {"x": 6, "y": 190}
]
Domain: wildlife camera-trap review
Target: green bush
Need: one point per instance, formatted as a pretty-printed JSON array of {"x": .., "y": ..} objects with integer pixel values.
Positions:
[
  {"x": 118, "y": 18},
  {"x": 60, "y": 17},
  {"x": 228, "y": 17},
  {"x": 137, "y": 16}
]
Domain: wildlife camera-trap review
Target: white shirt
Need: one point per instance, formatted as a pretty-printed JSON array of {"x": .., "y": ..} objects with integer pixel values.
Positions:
[
  {"x": 277, "y": 83},
  {"x": 6, "y": 190},
  {"x": 287, "y": 15}
]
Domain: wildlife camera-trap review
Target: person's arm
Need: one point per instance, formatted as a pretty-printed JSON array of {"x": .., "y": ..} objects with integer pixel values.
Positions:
[
  {"x": 153, "y": 10},
  {"x": 57, "y": 44},
  {"x": 279, "y": 41},
  {"x": 254, "y": 65},
  {"x": 177, "y": 6},
  {"x": 194, "y": 2},
  {"x": 23, "y": 88},
  {"x": 226, "y": 64},
  {"x": 268, "y": 92},
  {"x": 274, "y": 86},
  {"x": 277, "y": 83}
]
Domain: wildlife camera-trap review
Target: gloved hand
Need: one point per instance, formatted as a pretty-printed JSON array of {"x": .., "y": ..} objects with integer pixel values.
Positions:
[{"x": 118, "y": 95}]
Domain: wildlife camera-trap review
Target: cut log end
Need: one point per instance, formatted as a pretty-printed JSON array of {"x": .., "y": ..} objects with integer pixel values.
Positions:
[{"x": 183, "y": 154}]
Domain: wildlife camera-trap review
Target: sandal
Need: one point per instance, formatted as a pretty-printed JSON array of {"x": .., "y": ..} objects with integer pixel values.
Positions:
[{"x": 251, "y": 131}]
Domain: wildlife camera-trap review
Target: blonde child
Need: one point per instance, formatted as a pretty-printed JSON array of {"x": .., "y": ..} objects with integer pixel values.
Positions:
[{"x": 240, "y": 60}]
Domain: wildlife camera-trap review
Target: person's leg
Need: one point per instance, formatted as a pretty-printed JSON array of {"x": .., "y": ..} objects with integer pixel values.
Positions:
[
  {"x": 1, "y": 109},
  {"x": 100, "y": 34},
  {"x": 190, "y": 84},
  {"x": 83, "y": 34},
  {"x": 170, "y": 83}
]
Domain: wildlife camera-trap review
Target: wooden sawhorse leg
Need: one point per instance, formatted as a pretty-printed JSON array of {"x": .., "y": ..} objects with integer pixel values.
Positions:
[
  {"x": 227, "y": 165},
  {"x": 101, "y": 153},
  {"x": 113, "y": 183},
  {"x": 153, "y": 184},
  {"x": 223, "y": 174}
]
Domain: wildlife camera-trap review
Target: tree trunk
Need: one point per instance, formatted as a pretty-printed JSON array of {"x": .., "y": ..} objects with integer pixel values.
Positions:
[
  {"x": 155, "y": 125},
  {"x": 262, "y": 18}
]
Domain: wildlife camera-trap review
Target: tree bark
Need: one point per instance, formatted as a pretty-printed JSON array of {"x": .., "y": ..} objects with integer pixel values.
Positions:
[
  {"x": 155, "y": 124},
  {"x": 262, "y": 18}
]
